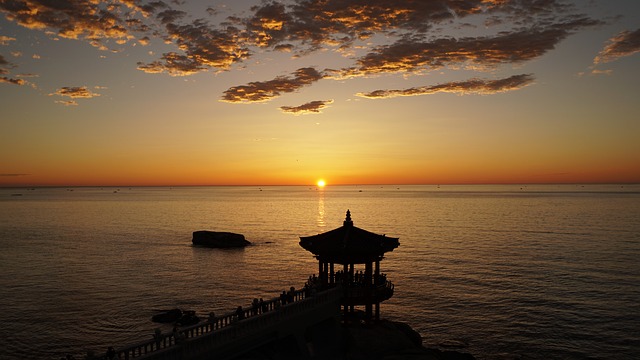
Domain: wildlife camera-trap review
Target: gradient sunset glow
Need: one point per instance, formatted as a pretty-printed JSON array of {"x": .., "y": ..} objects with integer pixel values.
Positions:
[{"x": 279, "y": 93}]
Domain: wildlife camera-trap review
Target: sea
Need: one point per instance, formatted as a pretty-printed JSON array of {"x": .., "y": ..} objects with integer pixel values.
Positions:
[{"x": 498, "y": 271}]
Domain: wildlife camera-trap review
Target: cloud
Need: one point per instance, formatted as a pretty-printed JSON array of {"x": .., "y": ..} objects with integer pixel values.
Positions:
[
  {"x": 4, "y": 70},
  {"x": 67, "y": 102},
  {"x": 472, "y": 86},
  {"x": 75, "y": 92},
  {"x": 315, "y": 23},
  {"x": 8, "y": 80},
  {"x": 170, "y": 16},
  {"x": 144, "y": 41},
  {"x": 82, "y": 19},
  {"x": 174, "y": 64},
  {"x": 4, "y": 40},
  {"x": 477, "y": 53},
  {"x": 204, "y": 46},
  {"x": 623, "y": 44},
  {"x": 308, "y": 108},
  {"x": 3, "y": 62},
  {"x": 409, "y": 34},
  {"x": 266, "y": 90},
  {"x": 307, "y": 25}
]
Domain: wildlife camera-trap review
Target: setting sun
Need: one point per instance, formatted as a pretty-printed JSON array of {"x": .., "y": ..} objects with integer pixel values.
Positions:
[{"x": 321, "y": 183}]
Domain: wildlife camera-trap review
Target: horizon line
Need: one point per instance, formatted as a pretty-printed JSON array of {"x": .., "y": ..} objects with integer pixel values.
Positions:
[{"x": 328, "y": 185}]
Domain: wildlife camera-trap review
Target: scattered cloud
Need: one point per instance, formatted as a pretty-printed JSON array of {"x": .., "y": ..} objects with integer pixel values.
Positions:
[
  {"x": 338, "y": 23},
  {"x": 403, "y": 36},
  {"x": 3, "y": 62},
  {"x": 598, "y": 72},
  {"x": 312, "y": 107},
  {"x": 266, "y": 90},
  {"x": 8, "y": 80},
  {"x": 74, "y": 93},
  {"x": 67, "y": 102},
  {"x": 144, "y": 41},
  {"x": 623, "y": 44},
  {"x": 5, "y": 67},
  {"x": 89, "y": 20},
  {"x": 4, "y": 40},
  {"x": 472, "y": 86},
  {"x": 477, "y": 53}
]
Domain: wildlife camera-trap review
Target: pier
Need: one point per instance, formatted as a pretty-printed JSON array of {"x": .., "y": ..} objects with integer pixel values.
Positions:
[{"x": 302, "y": 326}]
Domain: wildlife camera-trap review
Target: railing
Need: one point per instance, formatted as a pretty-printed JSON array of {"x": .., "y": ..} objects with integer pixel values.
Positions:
[
  {"x": 363, "y": 294},
  {"x": 243, "y": 320}
]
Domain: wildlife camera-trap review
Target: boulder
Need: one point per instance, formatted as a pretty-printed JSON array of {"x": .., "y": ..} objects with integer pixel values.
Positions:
[
  {"x": 219, "y": 239},
  {"x": 392, "y": 340}
]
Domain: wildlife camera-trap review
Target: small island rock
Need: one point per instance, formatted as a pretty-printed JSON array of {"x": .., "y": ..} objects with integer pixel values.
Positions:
[{"x": 219, "y": 239}]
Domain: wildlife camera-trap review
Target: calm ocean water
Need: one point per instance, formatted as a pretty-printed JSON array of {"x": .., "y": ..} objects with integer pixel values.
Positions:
[{"x": 540, "y": 272}]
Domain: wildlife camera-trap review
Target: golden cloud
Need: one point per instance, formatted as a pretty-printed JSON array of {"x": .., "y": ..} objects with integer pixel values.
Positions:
[
  {"x": 75, "y": 92},
  {"x": 312, "y": 107},
  {"x": 472, "y": 86},
  {"x": 266, "y": 90},
  {"x": 623, "y": 44}
]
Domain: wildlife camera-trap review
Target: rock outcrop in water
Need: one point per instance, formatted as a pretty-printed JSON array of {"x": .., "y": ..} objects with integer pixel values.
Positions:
[{"x": 219, "y": 239}]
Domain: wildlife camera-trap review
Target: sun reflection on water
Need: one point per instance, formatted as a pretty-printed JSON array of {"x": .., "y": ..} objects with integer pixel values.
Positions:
[{"x": 320, "y": 221}]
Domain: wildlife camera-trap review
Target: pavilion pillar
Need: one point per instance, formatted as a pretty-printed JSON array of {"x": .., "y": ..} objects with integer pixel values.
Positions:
[
  {"x": 345, "y": 274},
  {"x": 332, "y": 279},
  {"x": 376, "y": 282},
  {"x": 350, "y": 274},
  {"x": 368, "y": 291},
  {"x": 352, "y": 309},
  {"x": 326, "y": 274}
]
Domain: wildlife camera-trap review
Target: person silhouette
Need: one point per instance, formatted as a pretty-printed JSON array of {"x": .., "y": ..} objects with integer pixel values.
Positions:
[{"x": 111, "y": 353}]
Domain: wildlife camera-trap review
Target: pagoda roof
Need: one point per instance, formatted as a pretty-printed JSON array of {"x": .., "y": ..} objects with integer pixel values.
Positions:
[{"x": 349, "y": 244}]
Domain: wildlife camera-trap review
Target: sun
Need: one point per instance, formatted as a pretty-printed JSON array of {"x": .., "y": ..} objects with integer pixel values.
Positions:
[{"x": 321, "y": 183}]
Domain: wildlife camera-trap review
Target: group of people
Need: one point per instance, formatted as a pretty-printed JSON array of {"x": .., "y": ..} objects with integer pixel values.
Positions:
[
  {"x": 358, "y": 279},
  {"x": 287, "y": 297},
  {"x": 259, "y": 306}
]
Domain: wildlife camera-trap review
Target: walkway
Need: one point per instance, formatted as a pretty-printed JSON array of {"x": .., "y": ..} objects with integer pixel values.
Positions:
[{"x": 229, "y": 335}]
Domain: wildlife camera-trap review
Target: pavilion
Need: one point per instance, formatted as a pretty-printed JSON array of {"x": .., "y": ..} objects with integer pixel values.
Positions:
[{"x": 349, "y": 245}]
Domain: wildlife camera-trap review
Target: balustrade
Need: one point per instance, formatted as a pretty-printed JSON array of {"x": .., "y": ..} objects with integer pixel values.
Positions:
[{"x": 252, "y": 319}]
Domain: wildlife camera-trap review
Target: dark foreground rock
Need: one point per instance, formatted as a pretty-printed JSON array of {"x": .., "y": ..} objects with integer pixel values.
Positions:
[
  {"x": 219, "y": 239},
  {"x": 385, "y": 340},
  {"x": 389, "y": 340}
]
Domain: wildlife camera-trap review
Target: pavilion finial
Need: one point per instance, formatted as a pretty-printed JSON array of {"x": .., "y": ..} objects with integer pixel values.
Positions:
[{"x": 347, "y": 220}]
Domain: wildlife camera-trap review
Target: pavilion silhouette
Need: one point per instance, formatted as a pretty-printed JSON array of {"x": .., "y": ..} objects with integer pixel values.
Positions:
[{"x": 349, "y": 245}]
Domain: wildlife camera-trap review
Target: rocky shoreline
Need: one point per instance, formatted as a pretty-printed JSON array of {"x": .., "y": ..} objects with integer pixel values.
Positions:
[
  {"x": 382, "y": 340},
  {"x": 391, "y": 340}
]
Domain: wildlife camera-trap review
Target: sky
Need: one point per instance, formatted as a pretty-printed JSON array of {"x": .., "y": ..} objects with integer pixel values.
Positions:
[{"x": 180, "y": 92}]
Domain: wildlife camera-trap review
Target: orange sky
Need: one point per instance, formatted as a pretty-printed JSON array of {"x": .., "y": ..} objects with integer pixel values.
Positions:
[{"x": 241, "y": 93}]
